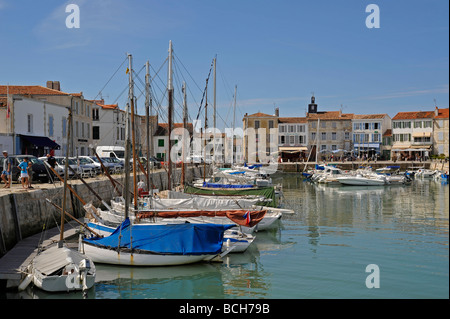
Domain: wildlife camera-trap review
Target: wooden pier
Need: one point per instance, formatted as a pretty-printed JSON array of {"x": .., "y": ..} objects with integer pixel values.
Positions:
[{"x": 19, "y": 257}]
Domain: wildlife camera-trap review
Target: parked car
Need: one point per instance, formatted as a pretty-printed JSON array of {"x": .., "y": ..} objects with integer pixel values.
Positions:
[
  {"x": 113, "y": 164},
  {"x": 58, "y": 168},
  {"x": 86, "y": 161},
  {"x": 39, "y": 170},
  {"x": 82, "y": 171},
  {"x": 111, "y": 167}
]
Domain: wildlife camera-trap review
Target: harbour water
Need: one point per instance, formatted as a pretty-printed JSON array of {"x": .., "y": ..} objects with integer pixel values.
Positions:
[{"x": 322, "y": 251}]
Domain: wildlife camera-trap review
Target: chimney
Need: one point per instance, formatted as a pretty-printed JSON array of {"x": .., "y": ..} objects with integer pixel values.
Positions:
[
  {"x": 436, "y": 111},
  {"x": 56, "y": 86},
  {"x": 277, "y": 112}
]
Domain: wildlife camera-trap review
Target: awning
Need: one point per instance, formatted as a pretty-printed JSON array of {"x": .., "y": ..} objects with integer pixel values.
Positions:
[
  {"x": 422, "y": 134},
  {"x": 292, "y": 149},
  {"x": 41, "y": 141}
]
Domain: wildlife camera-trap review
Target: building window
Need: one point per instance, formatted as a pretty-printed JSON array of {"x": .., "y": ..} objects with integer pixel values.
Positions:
[
  {"x": 257, "y": 124},
  {"x": 333, "y": 135},
  {"x": 313, "y": 136},
  {"x": 323, "y": 124},
  {"x": 76, "y": 129},
  {"x": 333, "y": 124},
  {"x": 292, "y": 139},
  {"x": 282, "y": 128},
  {"x": 271, "y": 124},
  {"x": 82, "y": 129},
  {"x": 50, "y": 125},
  {"x": 95, "y": 115},
  {"x": 88, "y": 130},
  {"x": 96, "y": 132},
  {"x": 333, "y": 147},
  {"x": 64, "y": 127},
  {"x": 30, "y": 123},
  {"x": 161, "y": 142},
  {"x": 313, "y": 125},
  {"x": 346, "y": 135},
  {"x": 324, "y": 136}
]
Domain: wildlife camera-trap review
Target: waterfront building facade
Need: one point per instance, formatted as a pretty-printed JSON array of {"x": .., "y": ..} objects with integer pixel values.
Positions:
[
  {"x": 260, "y": 142},
  {"x": 108, "y": 124},
  {"x": 441, "y": 132},
  {"x": 330, "y": 133},
  {"x": 368, "y": 132},
  {"x": 81, "y": 120},
  {"x": 412, "y": 135},
  {"x": 293, "y": 139},
  {"x": 35, "y": 125}
]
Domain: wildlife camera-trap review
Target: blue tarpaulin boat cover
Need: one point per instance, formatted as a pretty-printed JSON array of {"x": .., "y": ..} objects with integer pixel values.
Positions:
[
  {"x": 215, "y": 185},
  {"x": 175, "y": 239}
]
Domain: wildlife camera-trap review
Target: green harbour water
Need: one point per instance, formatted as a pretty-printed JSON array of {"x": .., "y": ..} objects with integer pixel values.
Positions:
[{"x": 320, "y": 252}]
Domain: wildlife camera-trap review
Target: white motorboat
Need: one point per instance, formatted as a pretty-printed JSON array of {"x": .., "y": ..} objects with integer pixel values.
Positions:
[
  {"x": 425, "y": 173},
  {"x": 372, "y": 180}
]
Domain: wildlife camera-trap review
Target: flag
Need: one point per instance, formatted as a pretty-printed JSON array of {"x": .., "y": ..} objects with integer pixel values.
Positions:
[
  {"x": 247, "y": 217},
  {"x": 128, "y": 70}
]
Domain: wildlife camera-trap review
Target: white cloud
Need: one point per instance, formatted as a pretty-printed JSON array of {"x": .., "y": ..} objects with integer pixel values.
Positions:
[{"x": 442, "y": 89}]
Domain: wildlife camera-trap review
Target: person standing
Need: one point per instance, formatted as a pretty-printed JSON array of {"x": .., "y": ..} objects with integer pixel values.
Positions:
[
  {"x": 6, "y": 172},
  {"x": 23, "y": 166}
]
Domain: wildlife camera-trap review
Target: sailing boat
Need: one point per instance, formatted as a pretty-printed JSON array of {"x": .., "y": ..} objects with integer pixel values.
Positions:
[
  {"x": 59, "y": 268},
  {"x": 155, "y": 244}
]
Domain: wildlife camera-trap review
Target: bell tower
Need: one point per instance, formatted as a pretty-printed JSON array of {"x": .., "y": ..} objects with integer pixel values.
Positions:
[{"x": 312, "y": 107}]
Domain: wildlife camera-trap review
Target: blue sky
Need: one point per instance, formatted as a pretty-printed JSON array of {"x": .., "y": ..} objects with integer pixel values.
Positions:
[{"x": 276, "y": 52}]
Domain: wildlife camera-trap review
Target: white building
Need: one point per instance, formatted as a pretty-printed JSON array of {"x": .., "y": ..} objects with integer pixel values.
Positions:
[
  {"x": 293, "y": 138},
  {"x": 108, "y": 124},
  {"x": 37, "y": 126},
  {"x": 412, "y": 134},
  {"x": 368, "y": 130}
]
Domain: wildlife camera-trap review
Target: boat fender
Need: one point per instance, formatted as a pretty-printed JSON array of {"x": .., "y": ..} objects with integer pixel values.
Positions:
[{"x": 25, "y": 282}]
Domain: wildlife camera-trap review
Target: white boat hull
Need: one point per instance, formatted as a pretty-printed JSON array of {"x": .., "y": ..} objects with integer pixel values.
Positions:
[
  {"x": 109, "y": 256},
  {"x": 361, "y": 181}
]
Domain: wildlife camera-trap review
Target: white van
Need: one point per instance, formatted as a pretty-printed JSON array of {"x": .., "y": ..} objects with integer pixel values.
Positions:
[{"x": 111, "y": 151}]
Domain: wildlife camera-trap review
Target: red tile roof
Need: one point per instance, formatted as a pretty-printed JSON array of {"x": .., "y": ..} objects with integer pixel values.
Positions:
[
  {"x": 259, "y": 114},
  {"x": 413, "y": 115},
  {"x": 442, "y": 114},
  {"x": 29, "y": 90},
  {"x": 332, "y": 115}
]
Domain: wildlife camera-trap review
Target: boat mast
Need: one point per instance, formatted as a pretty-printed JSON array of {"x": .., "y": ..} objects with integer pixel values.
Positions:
[
  {"x": 214, "y": 117},
  {"x": 206, "y": 126},
  {"x": 147, "y": 120},
  {"x": 170, "y": 116},
  {"x": 183, "y": 168},
  {"x": 66, "y": 172},
  {"x": 234, "y": 120},
  {"x": 131, "y": 98},
  {"x": 127, "y": 149}
]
